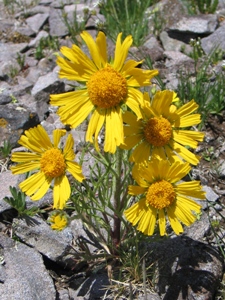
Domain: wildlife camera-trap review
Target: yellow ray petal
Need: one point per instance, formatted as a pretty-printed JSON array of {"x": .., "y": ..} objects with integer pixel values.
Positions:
[
  {"x": 188, "y": 121},
  {"x": 113, "y": 130},
  {"x": 142, "y": 175},
  {"x": 42, "y": 190},
  {"x": 131, "y": 119},
  {"x": 31, "y": 145},
  {"x": 187, "y": 108},
  {"x": 188, "y": 138},
  {"x": 149, "y": 173},
  {"x": 73, "y": 71},
  {"x": 92, "y": 48},
  {"x": 140, "y": 77},
  {"x": 75, "y": 170},
  {"x": 184, "y": 214},
  {"x": 75, "y": 113},
  {"x": 39, "y": 135},
  {"x": 35, "y": 139},
  {"x": 130, "y": 65},
  {"x": 121, "y": 51},
  {"x": 68, "y": 150},
  {"x": 79, "y": 67},
  {"x": 141, "y": 153},
  {"x": 136, "y": 190},
  {"x": 190, "y": 204},
  {"x": 177, "y": 171},
  {"x": 68, "y": 98},
  {"x": 135, "y": 212},
  {"x": 175, "y": 224},
  {"x": 159, "y": 153},
  {"x": 134, "y": 100},
  {"x": 25, "y": 157},
  {"x": 57, "y": 134},
  {"x": 131, "y": 141},
  {"x": 102, "y": 47},
  {"x": 61, "y": 192},
  {"x": 162, "y": 101},
  {"x": 95, "y": 124},
  {"x": 162, "y": 222},
  {"x": 32, "y": 183},
  {"x": 147, "y": 222},
  {"x": 191, "y": 189},
  {"x": 25, "y": 167},
  {"x": 186, "y": 154}
]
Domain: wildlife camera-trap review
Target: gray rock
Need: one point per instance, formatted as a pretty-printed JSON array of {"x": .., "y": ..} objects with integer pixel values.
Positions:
[
  {"x": 171, "y": 12},
  {"x": 25, "y": 274},
  {"x": 170, "y": 44},
  {"x": 46, "y": 85},
  {"x": 33, "y": 74},
  {"x": 61, "y": 3},
  {"x": 7, "y": 179},
  {"x": 37, "y": 21},
  {"x": 9, "y": 50},
  {"x": 5, "y": 96},
  {"x": 40, "y": 35},
  {"x": 222, "y": 169},
  {"x": 39, "y": 9},
  {"x": 201, "y": 24},
  {"x": 151, "y": 48},
  {"x": 210, "y": 194},
  {"x": 217, "y": 39},
  {"x": 54, "y": 245},
  {"x": 200, "y": 228},
  {"x": 185, "y": 268},
  {"x": 26, "y": 31},
  {"x": 56, "y": 23},
  {"x": 178, "y": 61},
  {"x": 17, "y": 119}
]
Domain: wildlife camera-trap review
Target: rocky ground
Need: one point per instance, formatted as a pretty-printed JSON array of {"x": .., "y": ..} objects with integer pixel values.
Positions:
[{"x": 38, "y": 263}]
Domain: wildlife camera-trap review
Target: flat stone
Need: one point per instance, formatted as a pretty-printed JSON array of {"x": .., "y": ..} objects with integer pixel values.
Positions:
[
  {"x": 10, "y": 50},
  {"x": 203, "y": 24},
  {"x": 37, "y": 21},
  {"x": 214, "y": 40},
  {"x": 7, "y": 179},
  {"x": 25, "y": 275}
]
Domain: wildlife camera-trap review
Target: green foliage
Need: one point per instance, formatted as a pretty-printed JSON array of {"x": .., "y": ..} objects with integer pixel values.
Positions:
[
  {"x": 77, "y": 25},
  {"x": 5, "y": 150},
  {"x": 127, "y": 17},
  {"x": 13, "y": 71},
  {"x": 21, "y": 60},
  {"x": 206, "y": 88},
  {"x": 18, "y": 202},
  {"x": 100, "y": 201},
  {"x": 48, "y": 42},
  {"x": 197, "y": 51},
  {"x": 12, "y": 6},
  {"x": 201, "y": 6}
]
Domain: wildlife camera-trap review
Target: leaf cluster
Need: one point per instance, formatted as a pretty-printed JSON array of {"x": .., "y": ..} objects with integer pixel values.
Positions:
[
  {"x": 17, "y": 201},
  {"x": 127, "y": 17}
]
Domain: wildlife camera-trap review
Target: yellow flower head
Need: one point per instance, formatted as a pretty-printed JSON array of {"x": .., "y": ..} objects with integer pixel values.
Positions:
[
  {"x": 160, "y": 133},
  {"x": 107, "y": 86},
  {"x": 49, "y": 162},
  {"x": 163, "y": 195},
  {"x": 58, "y": 220}
]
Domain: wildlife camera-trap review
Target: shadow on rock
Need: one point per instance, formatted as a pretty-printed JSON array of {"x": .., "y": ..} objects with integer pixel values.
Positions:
[{"x": 185, "y": 268}]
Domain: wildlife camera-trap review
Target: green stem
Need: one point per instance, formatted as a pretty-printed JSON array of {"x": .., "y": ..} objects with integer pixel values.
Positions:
[{"x": 116, "y": 204}]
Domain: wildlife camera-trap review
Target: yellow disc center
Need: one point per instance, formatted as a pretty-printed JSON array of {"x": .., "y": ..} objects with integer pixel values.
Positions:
[
  {"x": 158, "y": 131},
  {"x": 107, "y": 88},
  {"x": 160, "y": 194},
  {"x": 53, "y": 163}
]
